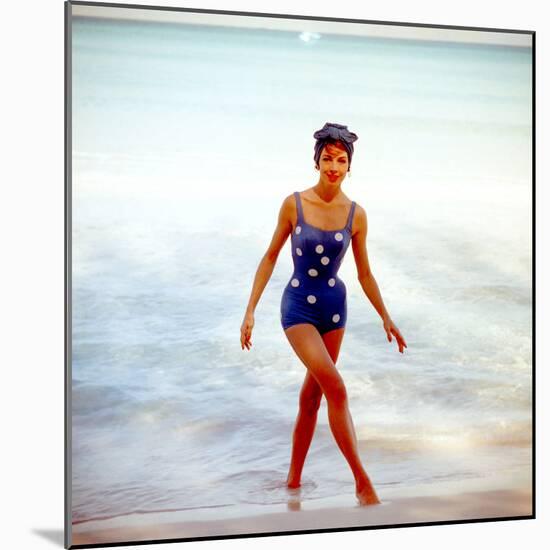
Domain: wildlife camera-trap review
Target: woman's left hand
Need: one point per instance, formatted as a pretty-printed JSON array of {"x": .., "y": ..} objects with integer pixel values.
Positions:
[{"x": 390, "y": 329}]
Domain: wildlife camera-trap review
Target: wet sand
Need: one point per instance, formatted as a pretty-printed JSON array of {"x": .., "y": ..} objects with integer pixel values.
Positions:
[{"x": 431, "y": 504}]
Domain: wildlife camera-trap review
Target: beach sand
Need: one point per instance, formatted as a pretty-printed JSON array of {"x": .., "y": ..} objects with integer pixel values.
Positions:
[{"x": 420, "y": 504}]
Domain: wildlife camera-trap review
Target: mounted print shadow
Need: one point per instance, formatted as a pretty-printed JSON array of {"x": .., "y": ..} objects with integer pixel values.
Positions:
[{"x": 236, "y": 363}]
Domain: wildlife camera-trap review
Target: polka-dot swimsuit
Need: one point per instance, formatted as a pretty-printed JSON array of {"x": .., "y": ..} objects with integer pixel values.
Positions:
[{"x": 314, "y": 293}]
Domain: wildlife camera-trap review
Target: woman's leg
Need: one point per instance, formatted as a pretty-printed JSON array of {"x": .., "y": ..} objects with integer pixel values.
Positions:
[
  {"x": 310, "y": 348},
  {"x": 310, "y": 400}
]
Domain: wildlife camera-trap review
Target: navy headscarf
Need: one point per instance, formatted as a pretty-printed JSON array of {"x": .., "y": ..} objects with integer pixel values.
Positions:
[{"x": 330, "y": 133}]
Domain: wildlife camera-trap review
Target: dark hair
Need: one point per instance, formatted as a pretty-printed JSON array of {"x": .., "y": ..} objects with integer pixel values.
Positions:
[{"x": 332, "y": 133}]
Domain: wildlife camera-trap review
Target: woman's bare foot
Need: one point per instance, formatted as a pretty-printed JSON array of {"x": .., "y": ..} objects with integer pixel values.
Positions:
[{"x": 367, "y": 496}]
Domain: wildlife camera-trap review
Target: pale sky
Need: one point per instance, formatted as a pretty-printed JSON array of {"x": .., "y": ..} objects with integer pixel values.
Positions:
[{"x": 306, "y": 25}]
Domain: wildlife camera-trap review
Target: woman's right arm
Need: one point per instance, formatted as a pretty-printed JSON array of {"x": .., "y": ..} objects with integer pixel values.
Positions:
[{"x": 284, "y": 227}]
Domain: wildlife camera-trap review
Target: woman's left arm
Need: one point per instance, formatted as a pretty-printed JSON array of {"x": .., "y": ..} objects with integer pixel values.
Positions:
[{"x": 366, "y": 278}]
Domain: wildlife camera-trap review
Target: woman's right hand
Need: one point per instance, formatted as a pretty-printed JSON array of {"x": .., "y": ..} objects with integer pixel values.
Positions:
[{"x": 246, "y": 330}]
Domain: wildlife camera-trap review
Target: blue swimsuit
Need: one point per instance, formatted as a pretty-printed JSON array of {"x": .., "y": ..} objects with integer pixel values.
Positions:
[{"x": 314, "y": 293}]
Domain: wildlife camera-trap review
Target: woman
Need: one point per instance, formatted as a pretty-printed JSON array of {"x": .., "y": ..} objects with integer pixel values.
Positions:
[{"x": 322, "y": 221}]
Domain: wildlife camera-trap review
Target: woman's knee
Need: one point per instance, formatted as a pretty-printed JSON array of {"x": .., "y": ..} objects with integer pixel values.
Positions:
[{"x": 335, "y": 391}]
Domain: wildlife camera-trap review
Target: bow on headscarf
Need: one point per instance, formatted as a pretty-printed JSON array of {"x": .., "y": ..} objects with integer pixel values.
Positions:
[{"x": 331, "y": 132}]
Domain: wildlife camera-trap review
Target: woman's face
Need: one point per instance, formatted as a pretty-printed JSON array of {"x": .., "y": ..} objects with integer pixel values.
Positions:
[{"x": 333, "y": 164}]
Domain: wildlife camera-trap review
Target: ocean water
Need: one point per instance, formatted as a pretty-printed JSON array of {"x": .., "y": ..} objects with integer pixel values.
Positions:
[{"x": 186, "y": 139}]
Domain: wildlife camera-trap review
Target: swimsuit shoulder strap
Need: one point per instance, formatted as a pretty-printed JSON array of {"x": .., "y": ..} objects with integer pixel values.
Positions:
[
  {"x": 350, "y": 217},
  {"x": 299, "y": 207}
]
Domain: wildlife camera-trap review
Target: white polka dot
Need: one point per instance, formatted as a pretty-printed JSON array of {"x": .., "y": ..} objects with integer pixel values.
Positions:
[
  {"x": 295, "y": 282},
  {"x": 299, "y": 251},
  {"x": 325, "y": 260},
  {"x": 336, "y": 318},
  {"x": 298, "y": 230},
  {"x": 313, "y": 272},
  {"x": 311, "y": 299},
  {"x": 331, "y": 282},
  {"x": 338, "y": 236},
  {"x": 319, "y": 249}
]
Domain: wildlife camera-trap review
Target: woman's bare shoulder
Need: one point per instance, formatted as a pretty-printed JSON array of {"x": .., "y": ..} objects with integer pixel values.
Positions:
[
  {"x": 360, "y": 211},
  {"x": 359, "y": 222},
  {"x": 289, "y": 203},
  {"x": 288, "y": 208},
  {"x": 289, "y": 199}
]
